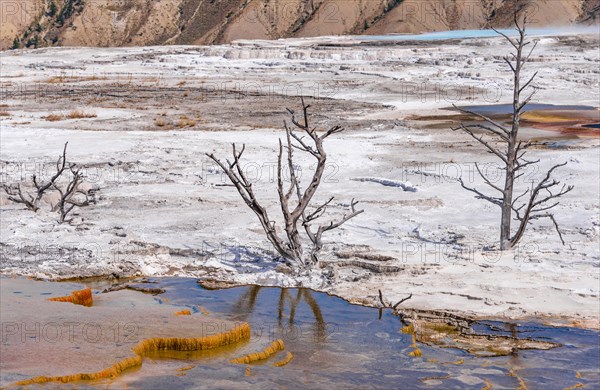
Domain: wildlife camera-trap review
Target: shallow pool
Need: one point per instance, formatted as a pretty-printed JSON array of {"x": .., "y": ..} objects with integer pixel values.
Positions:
[{"x": 336, "y": 344}]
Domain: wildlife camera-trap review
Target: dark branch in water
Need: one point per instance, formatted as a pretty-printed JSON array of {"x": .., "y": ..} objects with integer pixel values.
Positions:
[{"x": 389, "y": 305}]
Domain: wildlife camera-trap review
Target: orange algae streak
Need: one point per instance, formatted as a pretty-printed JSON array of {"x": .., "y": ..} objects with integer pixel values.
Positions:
[
  {"x": 79, "y": 297},
  {"x": 266, "y": 353},
  {"x": 203, "y": 310},
  {"x": 111, "y": 372},
  {"x": 288, "y": 358},
  {"x": 238, "y": 333},
  {"x": 416, "y": 353},
  {"x": 186, "y": 312}
]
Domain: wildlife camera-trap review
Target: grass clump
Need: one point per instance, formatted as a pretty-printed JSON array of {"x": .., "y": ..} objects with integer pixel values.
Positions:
[
  {"x": 54, "y": 117},
  {"x": 160, "y": 122},
  {"x": 78, "y": 114},
  {"x": 184, "y": 121}
]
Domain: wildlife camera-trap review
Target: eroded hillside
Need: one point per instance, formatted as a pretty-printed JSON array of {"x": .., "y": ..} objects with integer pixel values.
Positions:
[{"x": 38, "y": 23}]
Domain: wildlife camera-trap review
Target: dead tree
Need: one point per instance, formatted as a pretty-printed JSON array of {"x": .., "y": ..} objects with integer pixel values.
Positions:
[
  {"x": 294, "y": 201},
  {"x": 503, "y": 142},
  {"x": 32, "y": 202},
  {"x": 67, "y": 201}
]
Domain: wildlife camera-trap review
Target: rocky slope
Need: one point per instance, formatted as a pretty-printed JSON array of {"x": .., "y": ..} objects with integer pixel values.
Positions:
[{"x": 36, "y": 23}]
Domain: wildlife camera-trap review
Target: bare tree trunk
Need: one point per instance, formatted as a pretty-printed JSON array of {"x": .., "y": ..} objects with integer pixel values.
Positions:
[
  {"x": 291, "y": 247},
  {"x": 513, "y": 155}
]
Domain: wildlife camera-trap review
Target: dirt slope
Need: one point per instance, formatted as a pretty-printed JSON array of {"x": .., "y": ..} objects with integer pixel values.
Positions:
[{"x": 37, "y": 23}]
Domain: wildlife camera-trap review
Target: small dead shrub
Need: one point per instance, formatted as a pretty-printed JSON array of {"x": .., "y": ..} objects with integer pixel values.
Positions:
[
  {"x": 53, "y": 117},
  {"x": 185, "y": 121},
  {"x": 77, "y": 114},
  {"x": 56, "y": 80},
  {"x": 160, "y": 122}
]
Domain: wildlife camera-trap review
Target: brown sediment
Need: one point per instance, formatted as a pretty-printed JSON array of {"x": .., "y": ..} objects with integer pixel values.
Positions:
[
  {"x": 288, "y": 358},
  {"x": 449, "y": 331},
  {"x": 185, "y": 312},
  {"x": 568, "y": 129},
  {"x": 556, "y": 116},
  {"x": 186, "y": 368},
  {"x": 238, "y": 333},
  {"x": 577, "y": 385},
  {"x": 434, "y": 378},
  {"x": 79, "y": 297},
  {"x": 266, "y": 353},
  {"x": 568, "y": 122},
  {"x": 142, "y": 289}
]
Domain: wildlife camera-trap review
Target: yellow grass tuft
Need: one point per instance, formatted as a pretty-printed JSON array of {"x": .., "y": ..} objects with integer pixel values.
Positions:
[
  {"x": 160, "y": 122},
  {"x": 184, "y": 121},
  {"x": 56, "y": 79},
  {"x": 288, "y": 358},
  {"x": 65, "y": 79},
  {"x": 77, "y": 114},
  {"x": 266, "y": 353},
  {"x": 79, "y": 297},
  {"x": 54, "y": 117}
]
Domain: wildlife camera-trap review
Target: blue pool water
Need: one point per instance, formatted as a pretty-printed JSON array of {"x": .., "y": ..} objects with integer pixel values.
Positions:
[
  {"x": 337, "y": 344},
  {"x": 463, "y": 34}
]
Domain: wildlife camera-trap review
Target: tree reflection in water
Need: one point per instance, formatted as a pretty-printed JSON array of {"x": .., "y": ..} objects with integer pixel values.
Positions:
[{"x": 246, "y": 304}]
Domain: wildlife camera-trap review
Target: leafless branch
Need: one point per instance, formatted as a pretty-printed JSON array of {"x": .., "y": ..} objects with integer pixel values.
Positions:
[
  {"x": 32, "y": 202},
  {"x": 386, "y": 304},
  {"x": 303, "y": 138},
  {"x": 541, "y": 197},
  {"x": 67, "y": 201}
]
